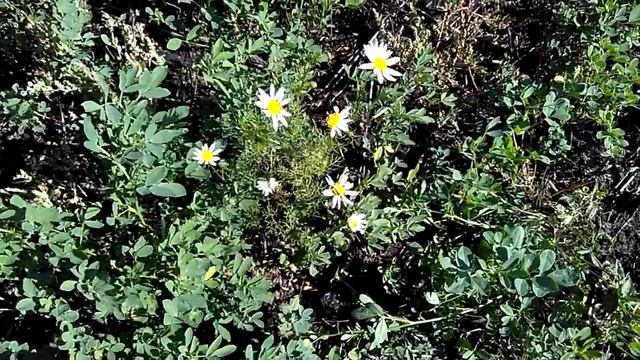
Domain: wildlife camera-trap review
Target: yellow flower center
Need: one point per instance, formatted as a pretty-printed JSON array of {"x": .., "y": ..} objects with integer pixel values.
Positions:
[
  {"x": 333, "y": 120},
  {"x": 274, "y": 107},
  {"x": 380, "y": 64},
  {"x": 353, "y": 223},
  {"x": 338, "y": 189},
  {"x": 206, "y": 155}
]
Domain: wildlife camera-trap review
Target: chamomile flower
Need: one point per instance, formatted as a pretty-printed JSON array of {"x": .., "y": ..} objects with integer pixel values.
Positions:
[
  {"x": 338, "y": 121},
  {"x": 340, "y": 191},
  {"x": 268, "y": 186},
  {"x": 207, "y": 155},
  {"x": 380, "y": 61},
  {"x": 273, "y": 104},
  {"x": 357, "y": 223}
]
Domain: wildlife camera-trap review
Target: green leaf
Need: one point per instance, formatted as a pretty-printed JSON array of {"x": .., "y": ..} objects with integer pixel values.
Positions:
[
  {"x": 521, "y": 287},
  {"x": 91, "y": 106},
  {"x": 157, "y": 76},
  {"x": 29, "y": 288},
  {"x": 634, "y": 16},
  {"x": 89, "y": 130},
  {"x": 113, "y": 115},
  {"x": 193, "y": 33},
  {"x": 68, "y": 285},
  {"x": 18, "y": 202},
  {"x": 224, "y": 351},
  {"x": 168, "y": 190},
  {"x": 156, "y": 175},
  {"x": 547, "y": 259},
  {"x": 126, "y": 79},
  {"x": 25, "y": 305},
  {"x": 145, "y": 251},
  {"x": 174, "y": 44},
  {"x": 164, "y": 136},
  {"x": 381, "y": 332},
  {"x": 564, "y": 277},
  {"x": 156, "y": 93},
  {"x": 543, "y": 285}
]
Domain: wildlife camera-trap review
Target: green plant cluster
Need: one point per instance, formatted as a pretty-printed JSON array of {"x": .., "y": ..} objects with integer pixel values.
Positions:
[{"x": 160, "y": 252}]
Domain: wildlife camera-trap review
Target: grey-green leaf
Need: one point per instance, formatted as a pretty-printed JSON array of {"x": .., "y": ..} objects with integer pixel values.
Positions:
[
  {"x": 25, "y": 305},
  {"x": 543, "y": 285},
  {"x": 521, "y": 287},
  {"x": 156, "y": 175},
  {"x": 168, "y": 190},
  {"x": 635, "y": 14},
  {"x": 174, "y": 44},
  {"x": 90, "y": 106},
  {"x": 547, "y": 259},
  {"x": 224, "y": 351},
  {"x": 164, "y": 136}
]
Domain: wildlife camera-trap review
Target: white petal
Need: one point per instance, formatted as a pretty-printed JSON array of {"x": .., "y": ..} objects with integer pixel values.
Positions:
[
  {"x": 333, "y": 132},
  {"x": 275, "y": 122},
  {"x": 394, "y": 73},
  {"x": 367, "y": 66},
  {"x": 327, "y": 192},
  {"x": 347, "y": 201},
  {"x": 283, "y": 120},
  {"x": 379, "y": 75},
  {"x": 351, "y": 193},
  {"x": 392, "y": 61},
  {"x": 272, "y": 91},
  {"x": 387, "y": 75},
  {"x": 336, "y": 109},
  {"x": 345, "y": 112},
  {"x": 280, "y": 94},
  {"x": 263, "y": 96},
  {"x": 330, "y": 181},
  {"x": 285, "y": 102},
  {"x": 285, "y": 113},
  {"x": 336, "y": 202}
]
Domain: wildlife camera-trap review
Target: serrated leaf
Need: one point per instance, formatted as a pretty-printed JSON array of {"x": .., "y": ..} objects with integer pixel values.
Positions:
[{"x": 168, "y": 190}]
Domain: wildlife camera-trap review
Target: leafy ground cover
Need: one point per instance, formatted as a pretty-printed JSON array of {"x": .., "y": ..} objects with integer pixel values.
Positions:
[{"x": 319, "y": 179}]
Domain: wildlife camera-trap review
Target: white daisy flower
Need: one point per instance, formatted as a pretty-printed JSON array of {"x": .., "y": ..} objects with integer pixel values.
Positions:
[
  {"x": 273, "y": 104},
  {"x": 340, "y": 191},
  {"x": 380, "y": 61},
  {"x": 338, "y": 121},
  {"x": 268, "y": 186},
  {"x": 207, "y": 155},
  {"x": 357, "y": 223}
]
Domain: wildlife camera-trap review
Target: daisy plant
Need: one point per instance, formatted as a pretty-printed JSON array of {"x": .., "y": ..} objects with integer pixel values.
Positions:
[
  {"x": 273, "y": 105},
  {"x": 380, "y": 61},
  {"x": 207, "y": 155},
  {"x": 340, "y": 191},
  {"x": 338, "y": 121}
]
